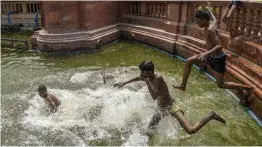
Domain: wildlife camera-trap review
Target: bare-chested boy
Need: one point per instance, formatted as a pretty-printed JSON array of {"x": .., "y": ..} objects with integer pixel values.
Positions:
[
  {"x": 159, "y": 92},
  {"x": 214, "y": 56},
  {"x": 49, "y": 98}
]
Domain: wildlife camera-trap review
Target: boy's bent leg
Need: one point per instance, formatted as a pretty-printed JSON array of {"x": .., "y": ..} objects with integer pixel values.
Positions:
[
  {"x": 154, "y": 121},
  {"x": 187, "y": 69},
  {"x": 191, "y": 129},
  {"x": 232, "y": 85}
]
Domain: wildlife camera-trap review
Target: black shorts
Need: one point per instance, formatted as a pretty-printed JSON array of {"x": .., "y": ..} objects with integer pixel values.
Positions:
[
  {"x": 232, "y": 2},
  {"x": 218, "y": 63}
]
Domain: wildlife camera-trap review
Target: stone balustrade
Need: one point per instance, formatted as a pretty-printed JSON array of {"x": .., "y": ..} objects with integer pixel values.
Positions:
[
  {"x": 149, "y": 9},
  {"x": 246, "y": 19},
  {"x": 20, "y": 7},
  {"x": 23, "y": 12}
]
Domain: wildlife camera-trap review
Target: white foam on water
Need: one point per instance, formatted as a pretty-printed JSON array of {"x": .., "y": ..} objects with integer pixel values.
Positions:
[
  {"x": 136, "y": 139},
  {"x": 81, "y": 78},
  {"x": 95, "y": 111}
]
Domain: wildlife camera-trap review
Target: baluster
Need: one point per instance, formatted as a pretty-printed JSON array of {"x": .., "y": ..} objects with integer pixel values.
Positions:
[
  {"x": 249, "y": 22},
  {"x": 242, "y": 22},
  {"x": 150, "y": 9},
  {"x": 35, "y": 7},
  {"x": 32, "y": 8},
  {"x": 165, "y": 8},
  {"x": 162, "y": 10},
  {"x": 4, "y": 8},
  {"x": 135, "y": 8},
  {"x": 154, "y": 10},
  {"x": 192, "y": 15},
  {"x": 131, "y": 8},
  {"x": 195, "y": 10},
  {"x": 139, "y": 8},
  {"x": 17, "y": 8},
  {"x": 20, "y": 8},
  {"x": 28, "y": 8},
  {"x": 256, "y": 24},
  {"x": 158, "y": 10},
  {"x": 235, "y": 23},
  {"x": 147, "y": 9},
  {"x": 9, "y": 7},
  {"x": 13, "y": 7}
]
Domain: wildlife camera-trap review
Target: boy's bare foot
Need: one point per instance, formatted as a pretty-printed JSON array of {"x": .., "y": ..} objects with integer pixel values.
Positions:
[
  {"x": 217, "y": 117},
  {"x": 247, "y": 96},
  {"x": 180, "y": 87},
  {"x": 250, "y": 92}
]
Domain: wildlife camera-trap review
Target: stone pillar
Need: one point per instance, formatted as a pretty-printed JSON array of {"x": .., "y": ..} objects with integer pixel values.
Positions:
[
  {"x": 173, "y": 12},
  {"x": 61, "y": 17}
]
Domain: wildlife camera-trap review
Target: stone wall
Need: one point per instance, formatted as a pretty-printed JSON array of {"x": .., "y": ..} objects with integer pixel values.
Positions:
[{"x": 68, "y": 17}]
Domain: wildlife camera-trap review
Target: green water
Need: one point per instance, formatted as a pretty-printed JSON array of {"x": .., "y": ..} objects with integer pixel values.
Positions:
[{"x": 23, "y": 72}]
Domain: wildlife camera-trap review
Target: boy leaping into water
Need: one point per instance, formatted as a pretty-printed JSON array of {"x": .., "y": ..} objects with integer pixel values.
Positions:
[
  {"x": 49, "y": 98},
  {"x": 159, "y": 91},
  {"x": 215, "y": 57}
]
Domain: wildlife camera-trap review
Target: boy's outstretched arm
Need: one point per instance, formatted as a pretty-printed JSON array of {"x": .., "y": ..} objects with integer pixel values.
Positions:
[
  {"x": 121, "y": 84},
  {"x": 208, "y": 8}
]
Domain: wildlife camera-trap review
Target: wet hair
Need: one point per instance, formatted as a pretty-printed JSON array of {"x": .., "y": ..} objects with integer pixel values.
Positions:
[
  {"x": 146, "y": 66},
  {"x": 41, "y": 88},
  {"x": 202, "y": 15}
]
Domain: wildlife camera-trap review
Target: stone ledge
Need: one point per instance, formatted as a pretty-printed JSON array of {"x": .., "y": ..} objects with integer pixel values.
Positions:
[{"x": 241, "y": 69}]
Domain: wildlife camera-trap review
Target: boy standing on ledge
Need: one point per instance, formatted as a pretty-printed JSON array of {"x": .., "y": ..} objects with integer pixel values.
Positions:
[{"x": 215, "y": 57}]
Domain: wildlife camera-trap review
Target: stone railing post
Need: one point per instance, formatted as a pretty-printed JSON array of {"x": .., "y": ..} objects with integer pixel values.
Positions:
[
  {"x": 154, "y": 10},
  {"x": 249, "y": 22},
  {"x": 235, "y": 23},
  {"x": 138, "y": 8},
  {"x": 24, "y": 7},
  {"x": 143, "y": 8},
  {"x": 135, "y": 8},
  {"x": 257, "y": 23},
  {"x": 131, "y": 10},
  {"x": 242, "y": 22},
  {"x": 150, "y": 9}
]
